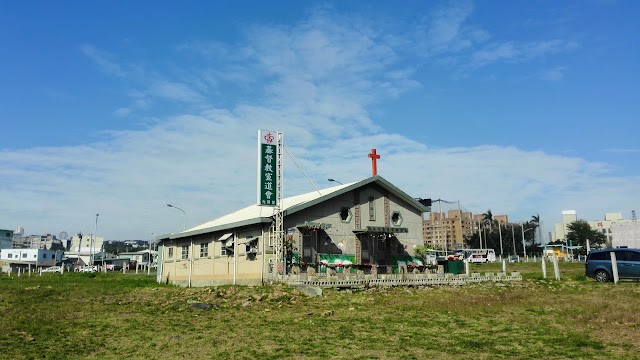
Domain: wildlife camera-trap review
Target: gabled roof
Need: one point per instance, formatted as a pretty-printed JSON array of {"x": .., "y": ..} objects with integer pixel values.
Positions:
[{"x": 256, "y": 214}]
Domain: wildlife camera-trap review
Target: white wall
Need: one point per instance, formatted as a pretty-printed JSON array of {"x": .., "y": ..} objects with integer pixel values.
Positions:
[{"x": 626, "y": 234}]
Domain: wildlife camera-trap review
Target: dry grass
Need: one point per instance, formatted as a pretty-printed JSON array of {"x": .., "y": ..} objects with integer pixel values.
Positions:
[{"x": 115, "y": 316}]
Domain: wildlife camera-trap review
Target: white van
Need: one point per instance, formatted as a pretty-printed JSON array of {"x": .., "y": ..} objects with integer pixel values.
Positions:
[{"x": 479, "y": 255}]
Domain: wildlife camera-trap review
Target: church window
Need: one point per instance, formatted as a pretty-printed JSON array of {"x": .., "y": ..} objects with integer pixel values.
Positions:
[
  {"x": 372, "y": 209},
  {"x": 396, "y": 218},
  {"x": 345, "y": 215}
]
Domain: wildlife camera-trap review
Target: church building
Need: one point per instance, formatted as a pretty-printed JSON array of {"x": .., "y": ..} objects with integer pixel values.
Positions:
[{"x": 367, "y": 226}]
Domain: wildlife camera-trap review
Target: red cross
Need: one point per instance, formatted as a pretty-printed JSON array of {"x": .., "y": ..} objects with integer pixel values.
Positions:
[{"x": 374, "y": 165}]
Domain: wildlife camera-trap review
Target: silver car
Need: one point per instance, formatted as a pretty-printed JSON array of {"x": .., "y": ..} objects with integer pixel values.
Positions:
[{"x": 52, "y": 269}]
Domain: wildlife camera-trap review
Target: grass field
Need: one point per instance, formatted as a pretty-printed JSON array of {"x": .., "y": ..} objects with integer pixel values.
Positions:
[{"x": 116, "y": 316}]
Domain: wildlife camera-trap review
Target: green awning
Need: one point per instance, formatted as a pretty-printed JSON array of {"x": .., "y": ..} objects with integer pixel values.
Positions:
[{"x": 337, "y": 259}]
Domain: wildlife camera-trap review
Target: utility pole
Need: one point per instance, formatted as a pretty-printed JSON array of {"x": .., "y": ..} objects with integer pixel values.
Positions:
[
  {"x": 500, "y": 232},
  {"x": 513, "y": 237}
]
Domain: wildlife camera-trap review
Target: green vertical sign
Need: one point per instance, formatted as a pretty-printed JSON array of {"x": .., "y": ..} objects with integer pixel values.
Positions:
[{"x": 267, "y": 168}]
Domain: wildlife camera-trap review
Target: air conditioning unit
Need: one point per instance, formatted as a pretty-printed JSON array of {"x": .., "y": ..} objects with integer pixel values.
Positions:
[{"x": 253, "y": 250}]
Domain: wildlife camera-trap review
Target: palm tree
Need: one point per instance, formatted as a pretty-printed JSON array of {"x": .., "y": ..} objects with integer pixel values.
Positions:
[
  {"x": 488, "y": 218},
  {"x": 535, "y": 221}
]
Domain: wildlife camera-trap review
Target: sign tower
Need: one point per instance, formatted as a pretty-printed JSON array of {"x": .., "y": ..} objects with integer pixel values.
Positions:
[{"x": 270, "y": 187}]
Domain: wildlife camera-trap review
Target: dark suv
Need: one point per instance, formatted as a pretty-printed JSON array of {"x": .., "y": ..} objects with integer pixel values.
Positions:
[{"x": 598, "y": 265}]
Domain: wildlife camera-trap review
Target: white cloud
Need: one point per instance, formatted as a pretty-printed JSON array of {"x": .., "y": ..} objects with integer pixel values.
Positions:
[
  {"x": 447, "y": 38},
  {"x": 174, "y": 91},
  {"x": 102, "y": 59},
  {"x": 622, "y": 150},
  {"x": 553, "y": 74},
  {"x": 518, "y": 51},
  {"x": 122, "y": 112},
  {"x": 444, "y": 30},
  {"x": 205, "y": 163}
]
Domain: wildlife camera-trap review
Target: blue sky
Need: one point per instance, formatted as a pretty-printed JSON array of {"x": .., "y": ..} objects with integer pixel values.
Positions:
[{"x": 118, "y": 108}]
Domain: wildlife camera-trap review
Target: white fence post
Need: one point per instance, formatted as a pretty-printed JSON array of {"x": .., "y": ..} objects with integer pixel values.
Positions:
[
  {"x": 614, "y": 267},
  {"x": 556, "y": 267},
  {"x": 544, "y": 268}
]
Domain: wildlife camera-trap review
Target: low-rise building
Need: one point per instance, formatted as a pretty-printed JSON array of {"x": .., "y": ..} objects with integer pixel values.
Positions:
[
  {"x": 560, "y": 230},
  {"x": 24, "y": 258},
  {"x": 144, "y": 257}
]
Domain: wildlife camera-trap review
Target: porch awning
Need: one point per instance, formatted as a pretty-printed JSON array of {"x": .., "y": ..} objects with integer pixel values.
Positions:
[
  {"x": 247, "y": 240},
  {"x": 225, "y": 236}
]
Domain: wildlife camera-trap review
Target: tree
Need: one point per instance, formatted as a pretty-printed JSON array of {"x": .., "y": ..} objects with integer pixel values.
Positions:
[
  {"x": 535, "y": 221},
  {"x": 488, "y": 219},
  {"x": 421, "y": 251},
  {"x": 580, "y": 231}
]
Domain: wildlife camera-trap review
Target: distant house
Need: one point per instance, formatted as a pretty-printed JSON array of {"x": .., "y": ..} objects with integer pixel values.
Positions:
[
  {"x": 12, "y": 259},
  {"x": 144, "y": 257}
]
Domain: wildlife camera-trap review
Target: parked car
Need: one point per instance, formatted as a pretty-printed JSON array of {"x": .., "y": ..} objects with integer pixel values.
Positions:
[
  {"x": 52, "y": 269},
  {"x": 598, "y": 265},
  {"x": 89, "y": 269}
]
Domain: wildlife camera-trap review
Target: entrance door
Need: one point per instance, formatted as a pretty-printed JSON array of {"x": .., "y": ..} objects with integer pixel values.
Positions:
[
  {"x": 310, "y": 246},
  {"x": 365, "y": 246}
]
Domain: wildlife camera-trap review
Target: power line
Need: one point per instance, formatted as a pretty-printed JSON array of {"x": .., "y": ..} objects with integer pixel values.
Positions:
[{"x": 304, "y": 173}]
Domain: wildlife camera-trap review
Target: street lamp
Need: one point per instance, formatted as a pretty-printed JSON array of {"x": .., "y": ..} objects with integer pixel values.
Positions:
[
  {"x": 332, "y": 180},
  {"x": 524, "y": 247},
  {"x": 185, "y": 214},
  {"x": 93, "y": 239}
]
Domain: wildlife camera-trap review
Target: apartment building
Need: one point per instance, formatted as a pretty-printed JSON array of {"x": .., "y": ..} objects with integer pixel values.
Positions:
[{"x": 447, "y": 230}]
